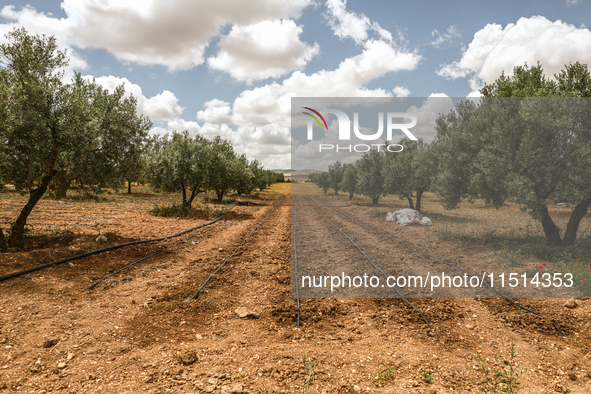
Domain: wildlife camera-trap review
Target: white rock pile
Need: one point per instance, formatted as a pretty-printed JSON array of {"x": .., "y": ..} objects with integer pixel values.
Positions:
[{"x": 406, "y": 217}]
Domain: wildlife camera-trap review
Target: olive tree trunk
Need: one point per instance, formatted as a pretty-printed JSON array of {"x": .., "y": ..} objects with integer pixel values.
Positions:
[
  {"x": 550, "y": 228},
  {"x": 411, "y": 205},
  {"x": 17, "y": 231},
  {"x": 2, "y": 242},
  {"x": 575, "y": 219}
]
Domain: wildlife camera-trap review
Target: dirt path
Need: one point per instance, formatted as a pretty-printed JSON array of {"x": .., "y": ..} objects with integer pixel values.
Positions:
[{"x": 137, "y": 332}]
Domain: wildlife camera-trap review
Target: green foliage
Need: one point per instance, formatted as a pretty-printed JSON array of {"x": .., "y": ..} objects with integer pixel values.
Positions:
[
  {"x": 245, "y": 179},
  {"x": 335, "y": 176},
  {"x": 179, "y": 163},
  {"x": 76, "y": 133},
  {"x": 224, "y": 167},
  {"x": 427, "y": 377},
  {"x": 535, "y": 148},
  {"x": 349, "y": 182},
  {"x": 308, "y": 374},
  {"x": 384, "y": 375},
  {"x": 189, "y": 212},
  {"x": 502, "y": 380},
  {"x": 370, "y": 175},
  {"x": 321, "y": 179},
  {"x": 409, "y": 172},
  {"x": 260, "y": 179}
]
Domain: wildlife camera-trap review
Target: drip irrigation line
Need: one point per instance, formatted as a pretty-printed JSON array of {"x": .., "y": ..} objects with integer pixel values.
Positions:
[
  {"x": 295, "y": 251},
  {"x": 234, "y": 252},
  {"x": 97, "y": 251},
  {"x": 165, "y": 249},
  {"x": 376, "y": 267},
  {"x": 455, "y": 266}
]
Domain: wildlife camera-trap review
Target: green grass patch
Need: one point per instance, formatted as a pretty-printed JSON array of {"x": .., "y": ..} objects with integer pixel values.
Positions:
[
  {"x": 510, "y": 245},
  {"x": 510, "y": 248},
  {"x": 29, "y": 231},
  {"x": 189, "y": 212}
]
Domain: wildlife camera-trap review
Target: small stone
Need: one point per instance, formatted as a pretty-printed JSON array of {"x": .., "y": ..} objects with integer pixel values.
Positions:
[
  {"x": 571, "y": 303},
  {"x": 210, "y": 388},
  {"x": 232, "y": 389},
  {"x": 50, "y": 343},
  {"x": 572, "y": 376},
  {"x": 469, "y": 326},
  {"x": 70, "y": 356},
  {"x": 101, "y": 239},
  {"x": 187, "y": 357},
  {"x": 356, "y": 389},
  {"x": 244, "y": 313},
  {"x": 213, "y": 381},
  {"x": 61, "y": 365}
]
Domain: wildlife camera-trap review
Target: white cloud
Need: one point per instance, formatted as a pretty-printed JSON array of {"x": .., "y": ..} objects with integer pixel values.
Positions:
[
  {"x": 401, "y": 91},
  {"x": 450, "y": 37},
  {"x": 162, "y": 106},
  {"x": 428, "y": 112},
  {"x": 495, "y": 49},
  {"x": 40, "y": 23},
  {"x": 263, "y": 50},
  {"x": 216, "y": 111},
  {"x": 174, "y": 33},
  {"x": 573, "y": 2},
  {"x": 271, "y": 103},
  {"x": 347, "y": 24},
  {"x": 270, "y": 143}
]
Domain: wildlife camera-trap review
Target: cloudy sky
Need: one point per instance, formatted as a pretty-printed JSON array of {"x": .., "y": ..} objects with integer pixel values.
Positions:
[{"x": 230, "y": 67}]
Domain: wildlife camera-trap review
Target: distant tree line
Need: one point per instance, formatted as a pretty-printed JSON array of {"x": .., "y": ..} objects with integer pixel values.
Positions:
[
  {"x": 194, "y": 165},
  {"x": 380, "y": 173},
  {"x": 528, "y": 138},
  {"x": 56, "y": 135}
]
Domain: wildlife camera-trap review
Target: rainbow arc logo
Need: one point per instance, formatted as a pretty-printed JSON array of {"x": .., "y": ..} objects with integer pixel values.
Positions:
[{"x": 315, "y": 118}]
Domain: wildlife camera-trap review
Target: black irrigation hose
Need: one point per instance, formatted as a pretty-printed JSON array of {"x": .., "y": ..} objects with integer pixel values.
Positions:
[
  {"x": 234, "y": 252},
  {"x": 455, "y": 266},
  {"x": 97, "y": 251},
  {"x": 162, "y": 250},
  {"x": 295, "y": 250},
  {"x": 376, "y": 267}
]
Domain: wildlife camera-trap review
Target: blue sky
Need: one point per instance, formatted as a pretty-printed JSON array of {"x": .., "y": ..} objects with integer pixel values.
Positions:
[{"x": 230, "y": 67}]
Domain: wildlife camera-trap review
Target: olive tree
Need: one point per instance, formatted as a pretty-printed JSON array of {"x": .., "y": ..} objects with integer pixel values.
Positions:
[
  {"x": 370, "y": 175},
  {"x": 260, "y": 176},
  {"x": 335, "y": 176},
  {"x": 245, "y": 180},
  {"x": 50, "y": 127},
  {"x": 179, "y": 163},
  {"x": 349, "y": 182},
  {"x": 409, "y": 173},
  {"x": 529, "y": 137},
  {"x": 224, "y": 167}
]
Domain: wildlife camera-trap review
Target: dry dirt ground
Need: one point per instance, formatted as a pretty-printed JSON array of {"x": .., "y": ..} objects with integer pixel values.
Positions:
[{"x": 137, "y": 331}]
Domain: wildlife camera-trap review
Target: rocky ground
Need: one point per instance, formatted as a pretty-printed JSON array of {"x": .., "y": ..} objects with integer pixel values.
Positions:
[{"x": 137, "y": 331}]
